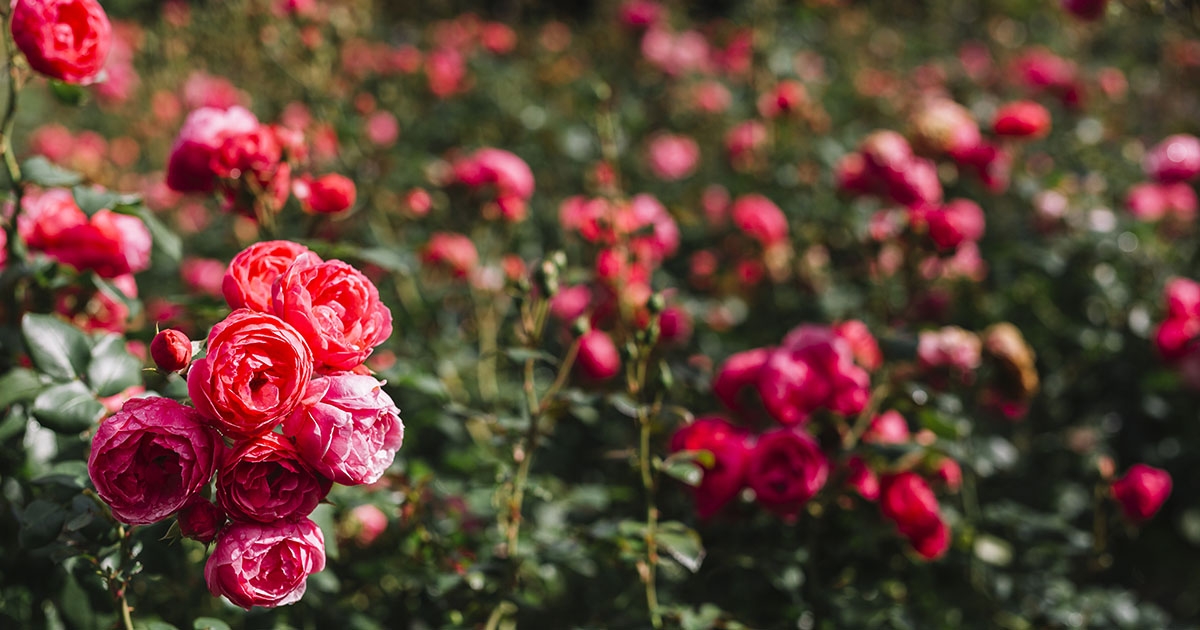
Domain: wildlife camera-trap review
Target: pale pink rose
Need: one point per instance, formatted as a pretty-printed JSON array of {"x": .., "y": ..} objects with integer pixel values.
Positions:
[
  {"x": 352, "y": 433},
  {"x": 673, "y": 157}
]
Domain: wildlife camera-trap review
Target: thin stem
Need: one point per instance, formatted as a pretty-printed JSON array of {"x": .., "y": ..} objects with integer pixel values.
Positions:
[
  {"x": 651, "y": 520},
  {"x": 126, "y": 618}
]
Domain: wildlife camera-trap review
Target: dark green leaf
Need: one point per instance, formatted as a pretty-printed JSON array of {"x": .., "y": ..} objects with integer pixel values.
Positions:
[
  {"x": 682, "y": 543},
  {"x": 57, "y": 348},
  {"x": 41, "y": 523},
  {"x": 67, "y": 408},
  {"x": 208, "y": 623},
  {"x": 112, "y": 368},
  {"x": 92, "y": 199},
  {"x": 38, "y": 170},
  {"x": 19, "y": 385}
]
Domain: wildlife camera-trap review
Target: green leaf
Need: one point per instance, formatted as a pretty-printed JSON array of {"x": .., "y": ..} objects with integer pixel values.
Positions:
[
  {"x": 112, "y": 368},
  {"x": 208, "y": 623},
  {"x": 41, "y": 522},
  {"x": 38, "y": 170},
  {"x": 67, "y": 408},
  {"x": 686, "y": 466},
  {"x": 57, "y": 348},
  {"x": 19, "y": 385},
  {"x": 520, "y": 355},
  {"x": 682, "y": 543},
  {"x": 92, "y": 199},
  {"x": 68, "y": 93},
  {"x": 389, "y": 259}
]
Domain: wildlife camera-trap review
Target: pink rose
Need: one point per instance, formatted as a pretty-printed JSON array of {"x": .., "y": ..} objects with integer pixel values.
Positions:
[
  {"x": 812, "y": 369},
  {"x": 352, "y": 433},
  {"x": 787, "y": 468},
  {"x": 455, "y": 252},
  {"x": 949, "y": 346},
  {"x": 367, "y": 523},
  {"x": 1022, "y": 119},
  {"x": 862, "y": 343},
  {"x": 110, "y": 244},
  {"x": 68, "y": 40},
  {"x": 738, "y": 372},
  {"x": 598, "y": 358},
  {"x": 907, "y": 501},
  {"x": 252, "y": 273},
  {"x": 862, "y": 479},
  {"x": 265, "y": 480},
  {"x": 150, "y": 457},
  {"x": 672, "y": 157},
  {"x": 265, "y": 565},
  {"x": 760, "y": 219},
  {"x": 957, "y": 222},
  {"x": 1175, "y": 159},
  {"x": 335, "y": 308},
  {"x": 724, "y": 479},
  {"x": 888, "y": 427},
  {"x": 189, "y": 169},
  {"x": 328, "y": 194},
  {"x": 1142, "y": 491},
  {"x": 253, "y": 376}
]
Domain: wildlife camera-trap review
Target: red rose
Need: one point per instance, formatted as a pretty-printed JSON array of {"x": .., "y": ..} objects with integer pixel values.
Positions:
[
  {"x": 455, "y": 252},
  {"x": 907, "y": 501},
  {"x": 955, "y": 223},
  {"x": 725, "y": 478},
  {"x": 254, "y": 375},
  {"x": 68, "y": 40},
  {"x": 787, "y": 468},
  {"x": 334, "y": 307},
  {"x": 352, "y": 433},
  {"x": 150, "y": 457},
  {"x": 265, "y": 480},
  {"x": 1142, "y": 491},
  {"x": 328, "y": 194},
  {"x": 738, "y": 372},
  {"x": 265, "y": 565},
  {"x": 171, "y": 350},
  {"x": 200, "y": 520},
  {"x": 252, "y": 273},
  {"x": 813, "y": 368}
]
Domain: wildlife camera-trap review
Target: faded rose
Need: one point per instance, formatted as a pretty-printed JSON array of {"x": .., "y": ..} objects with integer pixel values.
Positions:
[
  {"x": 787, "y": 468},
  {"x": 252, "y": 273},
  {"x": 150, "y": 457},
  {"x": 266, "y": 480},
  {"x": 725, "y": 478},
  {"x": 68, "y": 40},
  {"x": 253, "y": 376},
  {"x": 352, "y": 434},
  {"x": 265, "y": 565},
  {"x": 335, "y": 308}
]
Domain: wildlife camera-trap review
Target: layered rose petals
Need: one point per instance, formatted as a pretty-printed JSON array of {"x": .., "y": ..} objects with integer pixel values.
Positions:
[
  {"x": 265, "y": 565},
  {"x": 266, "y": 480}
]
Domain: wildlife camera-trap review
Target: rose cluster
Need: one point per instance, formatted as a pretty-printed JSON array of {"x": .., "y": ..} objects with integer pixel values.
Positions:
[
  {"x": 283, "y": 408},
  {"x": 815, "y": 368},
  {"x": 251, "y": 164}
]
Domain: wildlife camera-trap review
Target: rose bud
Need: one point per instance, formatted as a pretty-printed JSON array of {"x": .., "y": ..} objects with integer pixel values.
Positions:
[
  {"x": 1089, "y": 10},
  {"x": 957, "y": 222},
  {"x": 171, "y": 350},
  {"x": 200, "y": 520},
  {"x": 1142, "y": 491},
  {"x": 888, "y": 427},
  {"x": 1175, "y": 159},
  {"x": 68, "y": 40},
  {"x": 150, "y": 457},
  {"x": 328, "y": 194},
  {"x": 1022, "y": 119},
  {"x": 787, "y": 468},
  {"x": 351, "y": 434},
  {"x": 862, "y": 479},
  {"x": 598, "y": 358},
  {"x": 725, "y": 478},
  {"x": 335, "y": 308},
  {"x": 366, "y": 523},
  {"x": 252, "y": 273},
  {"x": 265, "y": 565},
  {"x": 254, "y": 375},
  {"x": 907, "y": 501}
]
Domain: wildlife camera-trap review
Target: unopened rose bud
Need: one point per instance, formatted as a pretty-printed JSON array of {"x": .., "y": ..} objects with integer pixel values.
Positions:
[
  {"x": 598, "y": 357},
  {"x": 171, "y": 350},
  {"x": 581, "y": 326},
  {"x": 200, "y": 520},
  {"x": 656, "y": 303},
  {"x": 546, "y": 277}
]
